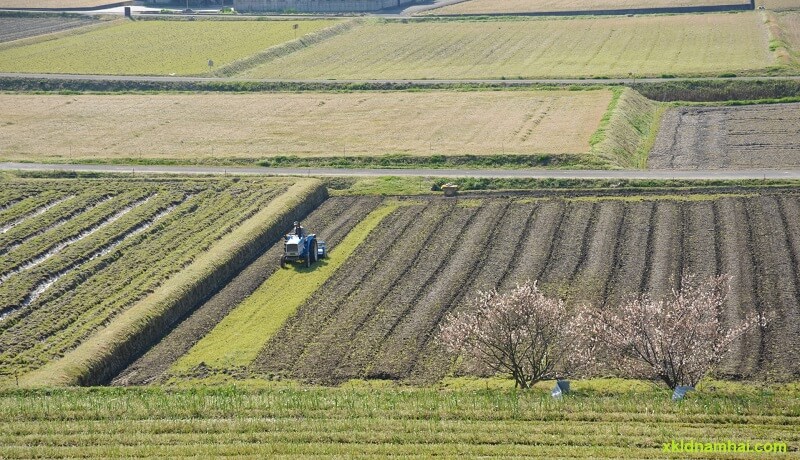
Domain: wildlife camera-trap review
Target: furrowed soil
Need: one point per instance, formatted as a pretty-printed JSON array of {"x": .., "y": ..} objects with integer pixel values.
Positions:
[
  {"x": 378, "y": 316},
  {"x": 528, "y": 6},
  {"x": 746, "y": 137},
  {"x": 54, "y": 4},
  {"x": 332, "y": 221}
]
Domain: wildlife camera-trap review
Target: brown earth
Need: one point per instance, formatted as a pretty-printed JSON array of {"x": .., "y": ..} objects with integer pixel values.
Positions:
[
  {"x": 377, "y": 317},
  {"x": 17, "y": 28},
  {"x": 746, "y": 137}
]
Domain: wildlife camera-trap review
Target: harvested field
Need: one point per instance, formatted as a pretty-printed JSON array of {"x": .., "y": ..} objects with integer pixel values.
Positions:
[
  {"x": 161, "y": 47},
  {"x": 790, "y": 29},
  {"x": 55, "y": 4},
  {"x": 376, "y": 318},
  {"x": 76, "y": 254},
  {"x": 23, "y": 27},
  {"x": 746, "y": 137},
  {"x": 198, "y": 128},
  {"x": 531, "y": 6},
  {"x": 707, "y": 44}
]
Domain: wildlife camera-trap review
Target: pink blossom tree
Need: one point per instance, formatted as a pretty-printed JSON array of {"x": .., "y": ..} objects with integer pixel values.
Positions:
[
  {"x": 678, "y": 339},
  {"x": 521, "y": 332}
]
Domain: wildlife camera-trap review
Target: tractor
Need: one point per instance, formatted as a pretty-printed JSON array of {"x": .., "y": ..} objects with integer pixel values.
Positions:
[{"x": 303, "y": 247}]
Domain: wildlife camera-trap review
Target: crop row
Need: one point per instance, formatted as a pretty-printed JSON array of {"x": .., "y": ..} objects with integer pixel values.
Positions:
[
  {"x": 119, "y": 251},
  {"x": 331, "y": 221},
  {"x": 381, "y": 422},
  {"x": 378, "y": 316},
  {"x": 15, "y": 28}
]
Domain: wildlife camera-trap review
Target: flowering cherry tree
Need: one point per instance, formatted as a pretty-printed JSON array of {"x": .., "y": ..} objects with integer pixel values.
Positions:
[
  {"x": 678, "y": 339},
  {"x": 521, "y": 332}
]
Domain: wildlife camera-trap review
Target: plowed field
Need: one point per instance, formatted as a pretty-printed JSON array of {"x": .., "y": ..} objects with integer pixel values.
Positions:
[
  {"x": 528, "y": 6},
  {"x": 748, "y": 137},
  {"x": 377, "y": 315},
  {"x": 16, "y": 28}
]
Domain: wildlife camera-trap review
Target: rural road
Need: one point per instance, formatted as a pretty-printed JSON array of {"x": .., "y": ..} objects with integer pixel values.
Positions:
[
  {"x": 452, "y": 173},
  {"x": 183, "y": 79}
]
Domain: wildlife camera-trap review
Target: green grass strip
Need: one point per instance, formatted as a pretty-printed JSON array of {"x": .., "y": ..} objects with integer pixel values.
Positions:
[{"x": 237, "y": 339}]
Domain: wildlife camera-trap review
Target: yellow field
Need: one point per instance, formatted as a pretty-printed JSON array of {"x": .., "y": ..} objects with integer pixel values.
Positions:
[
  {"x": 154, "y": 47},
  {"x": 207, "y": 127},
  {"x": 55, "y": 3},
  {"x": 706, "y": 44},
  {"x": 527, "y": 6}
]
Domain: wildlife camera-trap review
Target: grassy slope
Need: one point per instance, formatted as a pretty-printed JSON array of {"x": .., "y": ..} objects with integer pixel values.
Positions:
[
  {"x": 121, "y": 338},
  {"x": 153, "y": 47},
  {"x": 237, "y": 339},
  {"x": 708, "y": 44},
  {"x": 628, "y": 131},
  {"x": 602, "y": 419}
]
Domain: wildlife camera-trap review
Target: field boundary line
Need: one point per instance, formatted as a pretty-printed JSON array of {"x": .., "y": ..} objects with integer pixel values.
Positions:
[
  {"x": 227, "y": 345},
  {"x": 105, "y": 354},
  {"x": 274, "y": 52}
]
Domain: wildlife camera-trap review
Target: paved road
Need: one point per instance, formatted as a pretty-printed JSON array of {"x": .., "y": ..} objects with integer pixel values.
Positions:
[
  {"x": 451, "y": 173},
  {"x": 183, "y": 79}
]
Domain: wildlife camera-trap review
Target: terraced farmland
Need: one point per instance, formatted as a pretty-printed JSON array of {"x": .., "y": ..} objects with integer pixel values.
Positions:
[
  {"x": 77, "y": 254},
  {"x": 161, "y": 47},
  {"x": 708, "y": 44},
  {"x": 748, "y": 137},
  {"x": 173, "y": 127},
  {"x": 528, "y": 6},
  {"x": 16, "y": 28}
]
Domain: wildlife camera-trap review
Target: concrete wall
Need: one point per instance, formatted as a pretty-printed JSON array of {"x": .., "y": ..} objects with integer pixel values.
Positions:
[{"x": 318, "y": 6}]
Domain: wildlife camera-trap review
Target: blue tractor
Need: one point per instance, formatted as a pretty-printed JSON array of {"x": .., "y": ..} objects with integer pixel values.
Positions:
[{"x": 298, "y": 246}]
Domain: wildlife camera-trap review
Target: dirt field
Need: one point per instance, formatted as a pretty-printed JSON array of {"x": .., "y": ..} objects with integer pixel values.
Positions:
[
  {"x": 16, "y": 28},
  {"x": 206, "y": 128},
  {"x": 702, "y": 44},
  {"x": 55, "y": 4},
  {"x": 527, "y": 6},
  {"x": 790, "y": 28},
  {"x": 376, "y": 317},
  {"x": 762, "y": 136}
]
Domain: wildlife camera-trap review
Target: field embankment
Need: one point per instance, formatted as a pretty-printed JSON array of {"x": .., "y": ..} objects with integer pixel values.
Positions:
[
  {"x": 161, "y": 47},
  {"x": 707, "y": 45},
  {"x": 745, "y": 137},
  {"x": 317, "y": 127},
  {"x": 599, "y": 421}
]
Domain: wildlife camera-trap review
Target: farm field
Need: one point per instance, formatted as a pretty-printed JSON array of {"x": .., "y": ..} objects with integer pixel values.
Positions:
[
  {"x": 377, "y": 315},
  {"x": 527, "y": 6},
  {"x": 54, "y": 4},
  {"x": 76, "y": 255},
  {"x": 198, "y": 128},
  {"x": 746, "y": 137},
  {"x": 372, "y": 422},
  {"x": 24, "y": 27},
  {"x": 790, "y": 26},
  {"x": 780, "y": 5},
  {"x": 155, "y": 47},
  {"x": 708, "y": 44}
]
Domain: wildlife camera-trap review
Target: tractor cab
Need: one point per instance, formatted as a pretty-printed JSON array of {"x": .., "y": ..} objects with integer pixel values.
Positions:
[{"x": 298, "y": 246}]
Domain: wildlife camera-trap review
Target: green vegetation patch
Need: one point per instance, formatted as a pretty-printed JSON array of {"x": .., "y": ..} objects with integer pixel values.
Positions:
[
  {"x": 154, "y": 47},
  {"x": 236, "y": 341},
  {"x": 601, "y": 419}
]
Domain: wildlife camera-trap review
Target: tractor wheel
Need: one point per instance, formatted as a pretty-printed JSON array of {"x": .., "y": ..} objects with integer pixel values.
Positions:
[
  {"x": 314, "y": 256},
  {"x": 308, "y": 260},
  {"x": 283, "y": 261}
]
